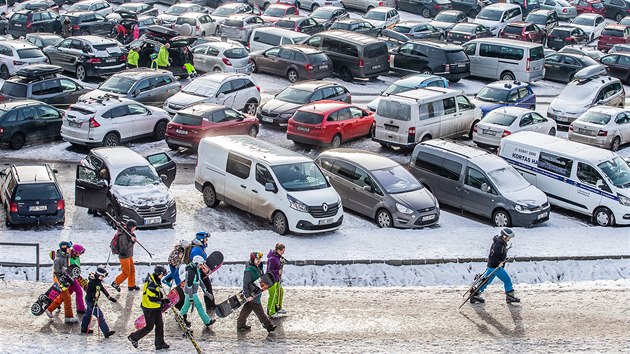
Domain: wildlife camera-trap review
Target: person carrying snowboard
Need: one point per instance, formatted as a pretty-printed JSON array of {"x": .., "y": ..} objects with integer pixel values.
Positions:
[
  {"x": 275, "y": 263},
  {"x": 75, "y": 253},
  {"x": 60, "y": 269},
  {"x": 153, "y": 301},
  {"x": 253, "y": 271},
  {"x": 125, "y": 254},
  {"x": 496, "y": 259},
  {"x": 193, "y": 280},
  {"x": 92, "y": 294},
  {"x": 175, "y": 259},
  {"x": 199, "y": 245}
]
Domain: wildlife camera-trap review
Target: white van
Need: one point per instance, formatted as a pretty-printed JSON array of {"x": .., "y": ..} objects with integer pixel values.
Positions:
[
  {"x": 407, "y": 118},
  {"x": 506, "y": 59},
  {"x": 496, "y": 16},
  {"x": 263, "y": 38},
  {"x": 578, "y": 177},
  {"x": 282, "y": 186}
]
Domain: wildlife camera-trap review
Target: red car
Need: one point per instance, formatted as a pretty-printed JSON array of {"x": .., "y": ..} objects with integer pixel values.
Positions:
[
  {"x": 523, "y": 31},
  {"x": 592, "y": 6},
  {"x": 276, "y": 11},
  {"x": 196, "y": 122},
  {"x": 329, "y": 123},
  {"x": 613, "y": 34}
]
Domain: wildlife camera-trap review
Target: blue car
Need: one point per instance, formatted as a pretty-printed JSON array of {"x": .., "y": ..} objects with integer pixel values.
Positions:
[
  {"x": 409, "y": 83},
  {"x": 505, "y": 93}
]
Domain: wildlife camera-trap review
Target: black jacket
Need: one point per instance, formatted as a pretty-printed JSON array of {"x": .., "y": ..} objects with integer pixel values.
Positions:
[
  {"x": 498, "y": 251},
  {"x": 90, "y": 291}
]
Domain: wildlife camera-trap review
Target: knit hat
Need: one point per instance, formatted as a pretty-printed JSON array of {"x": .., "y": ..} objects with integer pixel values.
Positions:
[
  {"x": 77, "y": 249},
  {"x": 255, "y": 255},
  {"x": 101, "y": 272},
  {"x": 159, "y": 270},
  {"x": 131, "y": 224},
  {"x": 201, "y": 235},
  {"x": 64, "y": 245}
]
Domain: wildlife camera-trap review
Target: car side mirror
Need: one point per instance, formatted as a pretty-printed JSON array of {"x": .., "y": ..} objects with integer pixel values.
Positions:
[
  {"x": 367, "y": 188},
  {"x": 270, "y": 187},
  {"x": 86, "y": 50},
  {"x": 135, "y": 93},
  {"x": 486, "y": 188},
  {"x": 220, "y": 95},
  {"x": 163, "y": 178},
  {"x": 601, "y": 185},
  {"x": 329, "y": 119}
]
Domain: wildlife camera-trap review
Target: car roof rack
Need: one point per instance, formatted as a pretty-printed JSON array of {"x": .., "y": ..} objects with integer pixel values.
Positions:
[{"x": 101, "y": 99}]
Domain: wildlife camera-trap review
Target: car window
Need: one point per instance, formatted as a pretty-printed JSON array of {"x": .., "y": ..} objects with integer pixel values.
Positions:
[
  {"x": 609, "y": 59},
  {"x": 470, "y": 48},
  {"x": 273, "y": 52},
  {"x": 136, "y": 109},
  {"x": 263, "y": 176},
  {"x": 329, "y": 92},
  {"x": 238, "y": 166},
  {"x": 160, "y": 81},
  {"x": 219, "y": 116},
  {"x": 513, "y": 96},
  {"x": 68, "y": 85},
  {"x": 449, "y": 105},
  {"x": 526, "y": 120},
  {"x": 116, "y": 112},
  {"x": 345, "y": 170},
  {"x": 285, "y": 54},
  {"x": 624, "y": 60},
  {"x": 475, "y": 179},
  {"x": 13, "y": 116},
  {"x": 47, "y": 112},
  {"x": 538, "y": 118},
  {"x": 143, "y": 85},
  {"x": 225, "y": 88},
  {"x": 588, "y": 174},
  {"x": 64, "y": 44},
  {"x": 463, "y": 103},
  {"x": 30, "y": 113},
  {"x": 231, "y": 114},
  {"x": 523, "y": 92},
  {"x": 200, "y": 50},
  {"x": 317, "y": 96},
  {"x": 355, "y": 113},
  {"x": 343, "y": 114}
]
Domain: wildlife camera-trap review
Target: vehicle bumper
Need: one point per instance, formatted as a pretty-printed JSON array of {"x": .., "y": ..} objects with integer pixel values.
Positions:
[
  {"x": 274, "y": 121},
  {"x": 311, "y": 225},
  {"x": 454, "y": 76},
  {"x": 599, "y": 141},
  {"x": 306, "y": 140},
  {"x": 79, "y": 141},
  {"x": 141, "y": 217},
  {"x": 395, "y": 144},
  {"x": 16, "y": 219},
  {"x": 562, "y": 118},
  {"x": 530, "y": 219},
  {"x": 417, "y": 219},
  {"x": 622, "y": 218},
  {"x": 484, "y": 140},
  {"x": 104, "y": 71},
  {"x": 244, "y": 70},
  {"x": 192, "y": 144}
]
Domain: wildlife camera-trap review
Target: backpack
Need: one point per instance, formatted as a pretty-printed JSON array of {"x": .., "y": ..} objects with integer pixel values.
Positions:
[
  {"x": 187, "y": 251},
  {"x": 175, "y": 258},
  {"x": 113, "y": 245}
]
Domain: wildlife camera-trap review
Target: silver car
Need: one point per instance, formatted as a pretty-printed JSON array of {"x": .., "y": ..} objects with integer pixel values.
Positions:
[
  {"x": 367, "y": 5},
  {"x": 602, "y": 126},
  {"x": 196, "y": 24},
  {"x": 240, "y": 26},
  {"x": 563, "y": 8},
  {"x": 379, "y": 188},
  {"x": 221, "y": 56}
]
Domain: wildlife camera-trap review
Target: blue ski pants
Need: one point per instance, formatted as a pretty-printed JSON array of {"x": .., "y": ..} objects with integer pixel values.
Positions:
[
  {"x": 90, "y": 311},
  {"x": 174, "y": 274},
  {"x": 503, "y": 276}
]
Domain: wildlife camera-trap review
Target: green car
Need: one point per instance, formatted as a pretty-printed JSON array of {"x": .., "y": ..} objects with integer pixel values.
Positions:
[{"x": 28, "y": 120}]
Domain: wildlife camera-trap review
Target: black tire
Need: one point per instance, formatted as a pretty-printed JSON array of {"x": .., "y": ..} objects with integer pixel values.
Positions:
[
  {"x": 552, "y": 131},
  {"x": 383, "y": 218},
  {"x": 532, "y": 107},
  {"x": 279, "y": 223},
  {"x": 314, "y": 7},
  {"x": 81, "y": 73},
  {"x": 473, "y": 13},
  {"x": 614, "y": 146},
  {"x": 210, "y": 196},
  {"x": 216, "y": 69},
  {"x": 426, "y": 71},
  {"x": 159, "y": 131},
  {"x": 250, "y": 107},
  {"x": 507, "y": 75},
  {"x": 203, "y": 34},
  {"x": 345, "y": 74},
  {"x": 111, "y": 210},
  {"x": 372, "y": 130},
  {"x": 254, "y": 67},
  {"x": 85, "y": 33},
  {"x": 425, "y": 138},
  {"x": 335, "y": 142},
  {"x": 173, "y": 147},
  {"x": 17, "y": 141},
  {"x": 426, "y": 13},
  {"x": 252, "y": 131},
  {"x": 441, "y": 37},
  {"x": 4, "y": 72},
  {"x": 472, "y": 128},
  {"x": 111, "y": 139},
  {"x": 602, "y": 216},
  {"x": 501, "y": 218},
  {"x": 292, "y": 76}
]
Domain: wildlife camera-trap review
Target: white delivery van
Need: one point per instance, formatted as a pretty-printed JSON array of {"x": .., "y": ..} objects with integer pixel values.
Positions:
[
  {"x": 263, "y": 38},
  {"x": 266, "y": 180},
  {"x": 578, "y": 177}
]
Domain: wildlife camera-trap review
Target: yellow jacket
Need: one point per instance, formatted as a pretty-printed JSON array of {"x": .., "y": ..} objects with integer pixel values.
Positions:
[
  {"x": 133, "y": 57},
  {"x": 152, "y": 293}
]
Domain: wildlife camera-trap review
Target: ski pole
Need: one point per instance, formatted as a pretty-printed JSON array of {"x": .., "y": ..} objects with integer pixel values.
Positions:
[{"x": 120, "y": 226}]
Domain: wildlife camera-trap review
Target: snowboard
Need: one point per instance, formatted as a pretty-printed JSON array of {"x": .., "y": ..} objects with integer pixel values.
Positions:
[
  {"x": 44, "y": 300},
  {"x": 237, "y": 300},
  {"x": 173, "y": 297}
]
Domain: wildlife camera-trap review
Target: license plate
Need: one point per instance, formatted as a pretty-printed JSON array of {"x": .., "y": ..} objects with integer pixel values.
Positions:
[
  {"x": 151, "y": 221},
  {"x": 428, "y": 217},
  {"x": 457, "y": 42},
  {"x": 580, "y": 130},
  {"x": 488, "y": 132},
  {"x": 37, "y": 208},
  {"x": 461, "y": 65},
  {"x": 543, "y": 215},
  {"x": 74, "y": 124},
  {"x": 562, "y": 119},
  {"x": 326, "y": 221},
  {"x": 304, "y": 129},
  {"x": 376, "y": 66},
  {"x": 323, "y": 66},
  {"x": 265, "y": 119},
  {"x": 392, "y": 128},
  {"x": 110, "y": 60},
  {"x": 182, "y": 132}
]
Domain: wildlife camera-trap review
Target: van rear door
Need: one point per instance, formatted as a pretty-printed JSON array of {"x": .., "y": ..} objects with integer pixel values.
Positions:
[{"x": 393, "y": 120}]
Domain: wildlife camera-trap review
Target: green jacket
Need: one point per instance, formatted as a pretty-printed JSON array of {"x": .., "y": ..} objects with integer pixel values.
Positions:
[
  {"x": 133, "y": 57},
  {"x": 162, "y": 59}
]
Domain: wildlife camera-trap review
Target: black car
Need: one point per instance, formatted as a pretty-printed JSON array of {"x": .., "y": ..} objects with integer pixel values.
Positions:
[
  {"x": 426, "y": 8},
  {"x": 431, "y": 58},
  {"x": 618, "y": 65},
  {"x": 87, "y": 56},
  {"x": 469, "y": 7},
  {"x": 327, "y": 15},
  {"x": 137, "y": 8},
  {"x": 43, "y": 39},
  {"x": 300, "y": 24},
  {"x": 30, "y": 195},
  {"x": 149, "y": 47},
  {"x": 446, "y": 20},
  {"x": 563, "y": 66},
  {"x": 86, "y": 23},
  {"x": 545, "y": 19},
  {"x": 357, "y": 25},
  {"x": 566, "y": 35},
  {"x": 30, "y": 21},
  {"x": 616, "y": 9},
  {"x": 419, "y": 30},
  {"x": 464, "y": 32},
  {"x": 41, "y": 82},
  {"x": 24, "y": 120}
]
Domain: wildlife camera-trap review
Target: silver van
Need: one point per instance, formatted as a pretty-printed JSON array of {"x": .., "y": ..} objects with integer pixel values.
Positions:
[
  {"x": 479, "y": 182},
  {"x": 263, "y": 38},
  {"x": 506, "y": 59}
]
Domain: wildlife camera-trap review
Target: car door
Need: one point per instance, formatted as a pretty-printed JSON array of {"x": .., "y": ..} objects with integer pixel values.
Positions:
[
  {"x": 552, "y": 66},
  {"x": 262, "y": 201},
  {"x": 526, "y": 123},
  {"x": 622, "y": 122},
  {"x": 200, "y": 58},
  {"x": 614, "y": 66},
  {"x": 540, "y": 123},
  {"x": 237, "y": 181},
  {"x": 120, "y": 121},
  {"x": 568, "y": 67},
  {"x": 225, "y": 94},
  {"x": 362, "y": 124},
  {"x": 236, "y": 122},
  {"x": 52, "y": 120},
  {"x": 448, "y": 123},
  {"x": 240, "y": 92},
  {"x": 366, "y": 192},
  {"x": 70, "y": 92},
  {"x": 344, "y": 124},
  {"x": 478, "y": 199},
  {"x": 163, "y": 88},
  {"x": 34, "y": 125},
  {"x": 580, "y": 35},
  {"x": 164, "y": 166},
  {"x": 101, "y": 25},
  {"x": 90, "y": 190},
  {"x": 268, "y": 60},
  {"x": 221, "y": 125},
  {"x": 142, "y": 120},
  {"x": 57, "y": 54},
  {"x": 465, "y": 115},
  {"x": 143, "y": 92},
  {"x": 342, "y": 177}
]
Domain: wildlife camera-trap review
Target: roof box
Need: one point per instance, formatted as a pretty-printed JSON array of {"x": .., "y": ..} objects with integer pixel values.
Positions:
[
  {"x": 36, "y": 71},
  {"x": 590, "y": 72}
]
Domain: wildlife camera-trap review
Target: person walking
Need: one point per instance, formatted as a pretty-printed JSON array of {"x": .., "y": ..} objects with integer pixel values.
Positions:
[
  {"x": 61, "y": 266},
  {"x": 253, "y": 271},
  {"x": 67, "y": 28},
  {"x": 92, "y": 293},
  {"x": 133, "y": 57},
  {"x": 153, "y": 301},
  {"x": 175, "y": 260},
  {"x": 199, "y": 245},
  {"x": 193, "y": 280},
  {"x": 75, "y": 260},
  {"x": 125, "y": 254},
  {"x": 136, "y": 31},
  {"x": 275, "y": 265},
  {"x": 496, "y": 260}
]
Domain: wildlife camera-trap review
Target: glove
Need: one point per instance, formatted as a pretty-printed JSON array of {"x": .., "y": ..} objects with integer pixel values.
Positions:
[
  {"x": 189, "y": 291},
  {"x": 112, "y": 299},
  {"x": 165, "y": 301},
  {"x": 208, "y": 295}
]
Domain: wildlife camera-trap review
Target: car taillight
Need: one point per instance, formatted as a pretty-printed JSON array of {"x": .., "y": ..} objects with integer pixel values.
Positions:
[
  {"x": 447, "y": 68},
  {"x": 180, "y": 87},
  {"x": 61, "y": 204},
  {"x": 123, "y": 58},
  {"x": 308, "y": 67},
  {"x": 29, "y": 24},
  {"x": 94, "y": 123},
  {"x": 75, "y": 27},
  {"x": 602, "y": 133},
  {"x": 571, "y": 127},
  {"x": 412, "y": 131},
  {"x": 94, "y": 60},
  {"x": 226, "y": 61},
  {"x": 361, "y": 63},
  {"x": 197, "y": 28},
  {"x": 13, "y": 208},
  {"x": 380, "y": 3},
  {"x": 17, "y": 62},
  {"x": 527, "y": 63},
  {"x": 505, "y": 133},
  {"x": 258, "y": 88},
  {"x": 437, "y": 7},
  {"x": 568, "y": 39},
  {"x": 564, "y": 10},
  {"x": 1, "y": 130}
]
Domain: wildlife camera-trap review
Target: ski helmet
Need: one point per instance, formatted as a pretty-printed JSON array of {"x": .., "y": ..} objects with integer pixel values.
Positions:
[
  {"x": 507, "y": 232},
  {"x": 255, "y": 255},
  {"x": 202, "y": 235},
  {"x": 64, "y": 245},
  {"x": 131, "y": 224},
  {"x": 77, "y": 249},
  {"x": 184, "y": 243},
  {"x": 159, "y": 270},
  {"x": 101, "y": 272},
  {"x": 198, "y": 260}
]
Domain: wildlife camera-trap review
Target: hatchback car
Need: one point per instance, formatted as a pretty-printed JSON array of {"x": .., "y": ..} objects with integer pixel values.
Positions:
[
  {"x": 169, "y": 17},
  {"x": 625, "y": 21},
  {"x": 563, "y": 8},
  {"x": 31, "y": 195},
  {"x": 27, "y": 120},
  {"x": 408, "y": 83},
  {"x": 239, "y": 27},
  {"x": 223, "y": 12},
  {"x": 379, "y": 188},
  {"x": 618, "y": 65},
  {"x": 446, "y": 20},
  {"x": 196, "y": 24},
  {"x": 382, "y": 17},
  {"x": 464, "y": 32},
  {"x": 327, "y": 15},
  {"x": 619, "y": 48},
  {"x": 101, "y": 7},
  {"x": 505, "y": 93},
  {"x": 329, "y": 123},
  {"x": 589, "y": 6},
  {"x": 87, "y": 23},
  {"x": 356, "y": 25},
  {"x": 592, "y": 24},
  {"x": 295, "y": 62},
  {"x": 505, "y": 121},
  {"x": 275, "y": 12},
  {"x": 138, "y": 8},
  {"x": 582, "y": 49},
  {"x": 544, "y": 19},
  {"x": 41, "y": 40},
  {"x": 613, "y": 34},
  {"x": 221, "y": 56},
  {"x": 469, "y": 7},
  {"x": 566, "y": 35},
  {"x": 601, "y": 126},
  {"x": 88, "y": 56},
  {"x": 279, "y": 109},
  {"x": 563, "y": 66},
  {"x": 201, "y": 120},
  {"x": 441, "y": 59},
  {"x": 300, "y": 24},
  {"x": 231, "y": 89},
  {"x": 616, "y": 9},
  {"x": 419, "y": 30},
  {"x": 523, "y": 31},
  {"x": 15, "y": 55},
  {"x": 32, "y": 21},
  {"x": 426, "y": 8}
]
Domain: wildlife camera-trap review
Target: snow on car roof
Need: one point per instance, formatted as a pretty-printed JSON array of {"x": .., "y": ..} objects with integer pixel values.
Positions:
[
  {"x": 263, "y": 150},
  {"x": 119, "y": 158},
  {"x": 365, "y": 159}
]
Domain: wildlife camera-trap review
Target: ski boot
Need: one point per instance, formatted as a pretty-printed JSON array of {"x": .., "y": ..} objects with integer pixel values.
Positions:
[
  {"x": 109, "y": 334},
  {"x": 510, "y": 298},
  {"x": 476, "y": 298},
  {"x": 49, "y": 314},
  {"x": 162, "y": 346},
  {"x": 87, "y": 330},
  {"x": 116, "y": 286},
  {"x": 244, "y": 328},
  {"x": 133, "y": 288},
  {"x": 71, "y": 320},
  {"x": 270, "y": 328},
  {"x": 186, "y": 322},
  {"x": 133, "y": 342}
]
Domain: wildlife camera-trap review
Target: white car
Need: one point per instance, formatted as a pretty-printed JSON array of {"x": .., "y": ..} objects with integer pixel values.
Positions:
[
  {"x": 497, "y": 16},
  {"x": 224, "y": 11},
  {"x": 313, "y": 5},
  {"x": 591, "y": 23},
  {"x": 382, "y": 17},
  {"x": 110, "y": 121},
  {"x": 505, "y": 121},
  {"x": 601, "y": 126},
  {"x": 196, "y": 24},
  {"x": 234, "y": 90},
  {"x": 101, "y": 7},
  {"x": 169, "y": 17},
  {"x": 16, "y": 54}
]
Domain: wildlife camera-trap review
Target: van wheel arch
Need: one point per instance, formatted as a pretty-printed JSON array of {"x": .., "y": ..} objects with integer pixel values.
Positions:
[
  {"x": 472, "y": 128},
  {"x": 507, "y": 75},
  {"x": 427, "y": 187},
  {"x": 602, "y": 216},
  {"x": 426, "y": 137},
  {"x": 209, "y": 194},
  {"x": 279, "y": 223},
  {"x": 501, "y": 218}
]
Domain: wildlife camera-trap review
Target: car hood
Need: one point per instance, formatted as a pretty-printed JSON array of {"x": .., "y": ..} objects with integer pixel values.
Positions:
[
  {"x": 185, "y": 99},
  {"x": 374, "y": 103},
  {"x": 487, "y": 106},
  {"x": 155, "y": 194},
  {"x": 415, "y": 200},
  {"x": 564, "y": 105},
  {"x": 98, "y": 93},
  {"x": 530, "y": 196},
  {"x": 488, "y": 23},
  {"x": 167, "y": 18},
  {"x": 442, "y": 25},
  {"x": 278, "y": 106},
  {"x": 316, "y": 197}
]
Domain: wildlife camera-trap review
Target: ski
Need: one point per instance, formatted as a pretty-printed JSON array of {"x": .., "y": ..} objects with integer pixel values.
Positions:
[
  {"x": 480, "y": 280},
  {"x": 187, "y": 332}
]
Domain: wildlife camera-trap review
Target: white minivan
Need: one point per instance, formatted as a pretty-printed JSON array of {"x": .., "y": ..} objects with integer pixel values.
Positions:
[
  {"x": 578, "y": 177},
  {"x": 506, "y": 59},
  {"x": 406, "y": 118},
  {"x": 263, "y": 38},
  {"x": 266, "y": 180}
]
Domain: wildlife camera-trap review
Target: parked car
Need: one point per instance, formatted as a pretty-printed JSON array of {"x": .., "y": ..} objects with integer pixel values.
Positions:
[
  {"x": 409, "y": 83},
  {"x": 15, "y": 54},
  {"x": 602, "y": 126},
  {"x": 87, "y": 23},
  {"x": 625, "y": 21},
  {"x": 464, "y": 32},
  {"x": 169, "y": 17},
  {"x": 581, "y": 49},
  {"x": 367, "y": 5},
  {"x": 379, "y": 188},
  {"x": 34, "y": 5},
  {"x": 327, "y": 15},
  {"x": 131, "y": 187},
  {"x": 223, "y": 12},
  {"x": 496, "y": 16},
  {"x": 428, "y": 58},
  {"x": 527, "y": 6},
  {"x": 470, "y": 7},
  {"x": 276, "y": 11},
  {"x": 138, "y": 8},
  {"x": 356, "y": 25},
  {"x": 426, "y": 8},
  {"x": 563, "y": 8},
  {"x": 505, "y": 94},
  {"x": 31, "y": 21},
  {"x": 150, "y": 45},
  {"x": 193, "y": 123},
  {"x": 566, "y": 35},
  {"x": 221, "y": 56},
  {"x": 505, "y": 59},
  {"x": 196, "y": 24},
  {"x": 329, "y": 123},
  {"x": 592, "y": 24},
  {"x": 302, "y": 24},
  {"x": 382, "y": 17},
  {"x": 563, "y": 66},
  {"x": 505, "y": 121},
  {"x": 278, "y": 110},
  {"x": 619, "y": 48},
  {"x": 239, "y": 27},
  {"x": 524, "y": 31},
  {"x": 545, "y": 19},
  {"x": 447, "y": 19},
  {"x": 313, "y": 5},
  {"x": 618, "y": 65},
  {"x": 101, "y": 7},
  {"x": 87, "y": 56},
  {"x": 589, "y": 6},
  {"x": 42, "y": 39},
  {"x": 266, "y": 37},
  {"x": 613, "y": 34},
  {"x": 419, "y": 30},
  {"x": 31, "y": 195},
  {"x": 28, "y": 120},
  {"x": 295, "y": 62},
  {"x": 40, "y": 82},
  {"x": 230, "y": 89},
  {"x": 616, "y": 9}
]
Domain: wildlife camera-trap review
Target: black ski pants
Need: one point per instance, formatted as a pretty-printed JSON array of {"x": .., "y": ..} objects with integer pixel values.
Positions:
[
  {"x": 153, "y": 318},
  {"x": 247, "y": 309},
  {"x": 210, "y": 304}
]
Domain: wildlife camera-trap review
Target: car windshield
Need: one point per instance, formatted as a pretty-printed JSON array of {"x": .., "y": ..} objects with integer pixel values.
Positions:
[
  {"x": 491, "y": 94},
  {"x": 394, "y": 89},
  {"x": 274, "y": 12},
  {"x": 300, "y": 176},
  {"x": 445, "y": 18},
  {"x": 185, "y": 119},
  {"x": 396, "y": 180},
  {"x": 618, "y": 171},
  {"x": 537, "y": 19},
  {"x": 463, "y": 28},
  {"x": 583, "y": 21},
  {"x": 223, "y": 11},
  {"x": 30, "y": 53},
  {"x": 490, "y": 14},
  {"x": 507, "y": 179},
  {"x": 204, "y": 88},
  {"x": 499, "y": 118},
  {"x": 612, "y": 32},
  {"x": 79, "y": 7},
  {"x": 13, "y": 89},
  {"x": 323, "y": 14},
  {"x": 375, "y": 15},
  {"x": 137, "y": 176},
  {"x": 175, "y": 10},
  {"x": 117, "y": 84},
  {"x": 292, "y": 95},
  {"x": 595, "y": 118},
  {"x": 236, "y": 53},
  {"x": 36, "y": 191}
]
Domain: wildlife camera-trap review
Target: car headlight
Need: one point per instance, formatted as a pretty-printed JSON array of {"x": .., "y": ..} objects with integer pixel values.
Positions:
[
  {"x": 403, "y": 209},
  {"x": 339, "y": 202},
  {"x": 296, "y": 204},
  {"x": 286, "y": 115},
  {"x": 623, "y": 200},
  {"x": 170, "y": 203},
  {"x": 127, "y": 206},
  {"x": 521, "y": 208}
]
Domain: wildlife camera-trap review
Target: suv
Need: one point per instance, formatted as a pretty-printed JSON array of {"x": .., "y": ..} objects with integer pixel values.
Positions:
[
  {"x": 41, "y": 82},
  {"x": 447, "y": 19},
  {"x": 148, "y": 86},
  {"x": 170, "y": 16},
  {"x": 110, "y": 120},
  {"x": 274, "y": 12},
  {"x": 426, "y": 8},
  {"x": 566, "y": 35},
  {"x": 127, "y": 186},
  {"x": 240, "y": 26},
  {"x": 300, "y": 24},
  {"x": 545, "y": 19},
  {"x": 41, "y": 40},
  {"x": 29, "y": 21},
  {"x": 88, "y": 56},
  {"x": 24, "y": 120},
  {"x": 503, "y": 94},
  {"x": 356, "y": 25},
  {"x": 87, "y": 23},
  {"x": 425, "y": 57},
  {"x": 616, "y": 9},
  {"x": 523, "y": 31},
  {"x": 613, "y": 34},
  {"x": 196, "y": 24},
  {"x": 327, "y": 15},
  {"x": 278, "y": 110},
  {"x": 101, "y": 7},
  {"x": 16, "y": 54},
  {"x": 589, "y": 6},
  {"x": 31, "y": 195},
  {"x": 295, "y": 62}
]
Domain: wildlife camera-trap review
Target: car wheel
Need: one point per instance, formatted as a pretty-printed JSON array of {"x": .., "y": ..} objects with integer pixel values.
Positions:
[
  {"x": 336, "y": 141},
  {"x": 532, "y": 107},
  {"x": 372, "y": 130},
  {"x": 345, "y": 74},
  {"x": 614, "y": 146},
  {"x": 292, "y": 75},
  {"x": 501, "y": 218},
  {"x": 17, "y": 141},
  {"x": 217, "y": 70},
  {"x": 210, "y": 196},
  {"x": 40, "y": 30},
  {"x": 4, "y": 72},
  {"x": 111, "y": 139},
  {"x": 173, "y": 147},
  {"x": 603, "y": 217},
  {"x": 441, "y": 37},
  {"x": 280, "y": 223},
  {"x": 426, "y": 72},
  {"x": 112, "y": 212},
  {"x": 552, "y": 131},
  {"x": 250, "y": 108},
  {"x": 81, "y": 72},
  {"x": 85, "y": 33},
  {"x": 216, "y": 32},
  {"x": 159, "y": 131},
  {"x": 472, "y": 128},
  {"x": 314, "y": 7},
  {"x": 426, "y": 13},
  {"x": 254, "y": 67},
  {"x": 253, "y": 131},
  {"x": 384, "y": 218},
  {"x": 472, "y": 13},
  {"x": 507, "y": 75}
]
